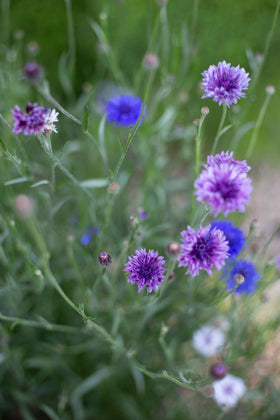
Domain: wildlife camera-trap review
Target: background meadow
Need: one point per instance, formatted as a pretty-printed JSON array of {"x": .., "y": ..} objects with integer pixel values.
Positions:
[{"x": 76, "y": 339}]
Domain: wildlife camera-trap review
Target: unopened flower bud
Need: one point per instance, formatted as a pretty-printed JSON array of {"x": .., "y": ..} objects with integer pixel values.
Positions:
[
  {"x": 270, "y": 90},
  {"x": 114, "y": 188},
  {"x": 32, "y": 71},
  {"x": 104, "y": 259},
  {"x": 173, "y": 249},
  {"x": 205, "y": 110},
  {"x": 24, "y": 205},
  {"x": 151, "y": 61},
  {"x": 32, "y": 48},
  {"x": 239, "y": 279},
  {"x": 19, "y": 35},
  {"x": 218, "y": 371},
  {"x": 196, "y": 122}
]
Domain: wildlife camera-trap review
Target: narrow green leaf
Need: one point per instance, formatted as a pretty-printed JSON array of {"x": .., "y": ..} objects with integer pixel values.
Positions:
[
  {"x": 94, "y": 183},
  {"x": 37, "y": 184},
  {"x": 16, "y": 181}
]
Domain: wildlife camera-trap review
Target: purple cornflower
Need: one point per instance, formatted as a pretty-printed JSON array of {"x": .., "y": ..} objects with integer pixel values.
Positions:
[
  {"x": 36, "y": 120},
  {"x": 123, "y": 110},
  {"x": 145, "y": 269},
  {"x": 227, "y": 157},
  {"x": 224, "y": 186},
  {"x": 247, "y": 270},
  {"x": 234, "y": 236},
  {"x": 203, "y": 250},
  {"x": 225, "y": 84}
]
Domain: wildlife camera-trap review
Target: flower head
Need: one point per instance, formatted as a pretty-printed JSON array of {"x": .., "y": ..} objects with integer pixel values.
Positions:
[
  {"x": 203, "y": 250},
  {"x": 227, "y": 157},
  {"x": 224, "y": 83},
  {"x": 104, "y": 259},
  {"x": 124, "y": 110},
  {"x": 224, "y": 186},
  {"x": 145, "y": 269},
  {"x": 229, "y": 390},
  {"x": 208, "y": 340},
  {"x": 247, "y": 270},
  {"x": 32, "y": 71},
  {"x": 36, "y": 119},
  {"x": 50, "y": 120},
  {"x": 218, "y": 370},
  {"x": 234, "y": 236}
]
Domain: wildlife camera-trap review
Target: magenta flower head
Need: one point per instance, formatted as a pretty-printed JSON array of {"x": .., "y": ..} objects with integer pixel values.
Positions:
[
  {"x": 203, "y": 250},
  {"x": 123, "y": 110},
  {"x": 227, "y": 157},
  {"x": 224, "y": 83},
  {"x": 145, "y": 269},
  {"x": 36, "y": 119},
  {"x": 224, "y": 186}
]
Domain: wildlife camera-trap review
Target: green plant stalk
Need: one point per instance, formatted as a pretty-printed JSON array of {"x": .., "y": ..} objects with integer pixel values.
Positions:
[
  {"x": 71, "y": 36},
  {"x": 194, "y": 20},
  {"x": 7, "y": 125},
  {"x": 257, "y": 127},
  {"x": 44, "y": 325},
  {"x": 5, "y": 21},
  {"x": 258, "y": 72},
  {"x": 219, "y": 132},
  {"x": 198, "y": 145},
  {"x": 164, "y": 284}
]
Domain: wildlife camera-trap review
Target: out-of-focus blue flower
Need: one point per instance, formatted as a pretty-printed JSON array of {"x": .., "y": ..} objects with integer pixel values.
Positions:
[
  {"x": 123, "y": 110},
  {"x": 234, "y": 236},
  {"x": 224, "y": 83},
  {"x": 142, "y": 214},
  {"x": 86, "y": 238},
  {"x": 247, "y": 270}
]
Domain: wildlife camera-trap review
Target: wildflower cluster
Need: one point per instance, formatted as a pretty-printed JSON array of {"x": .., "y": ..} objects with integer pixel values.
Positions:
[{"x": 36, "y": 120}]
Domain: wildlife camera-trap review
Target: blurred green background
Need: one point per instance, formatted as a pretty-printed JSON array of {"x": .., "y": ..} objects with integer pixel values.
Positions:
[{"x": 225, "y": 30}]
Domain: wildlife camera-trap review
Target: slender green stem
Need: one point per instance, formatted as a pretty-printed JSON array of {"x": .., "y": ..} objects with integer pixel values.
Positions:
[
  {"x": 71, "y": 34},
  {"x": 194, "y": 20},
  {"x": 219, "y": 132},
  {"x": 45, "y": 325},
  {"x": 99, "y": 277},
  {"x": 128, "y": 143},
  {"x": 5, "y": 21},
  {"x": 259, "y": 70},
  {"x": 258, "y": 126},
  {"x": 198, "y": 144},
  {"x": 108, "y": 212},
  {"x": 164, "y": 284},
  {"x": 266, "y": 47}
]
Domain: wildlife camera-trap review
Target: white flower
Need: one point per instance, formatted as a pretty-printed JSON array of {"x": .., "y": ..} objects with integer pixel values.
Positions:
[
  {"x": 229, "y": 390},
  {"x": 50, "y": 120},
  {"x": 208, "y": 340}
]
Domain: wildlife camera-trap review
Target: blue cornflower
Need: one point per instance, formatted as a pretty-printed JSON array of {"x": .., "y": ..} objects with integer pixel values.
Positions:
[
  {"x": 123, "y": 110},
  {"x": 234, "y": 235},
  {"x": 86, "y": 237},
  {"x": 145, "y": 269},
  {"x": 247, "y": 270}
]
